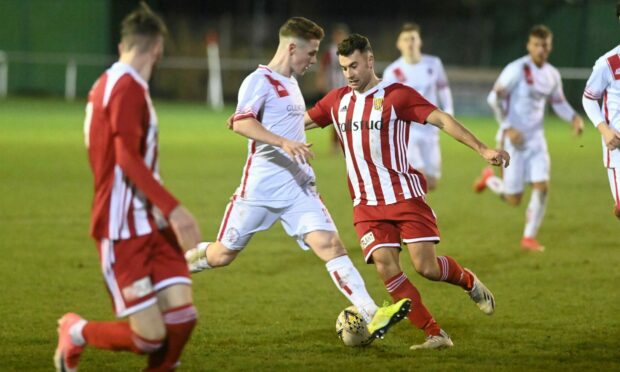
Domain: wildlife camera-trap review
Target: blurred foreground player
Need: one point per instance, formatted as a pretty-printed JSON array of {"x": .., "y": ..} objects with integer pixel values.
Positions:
[
  {"x": 373, "y": 119},
  {"x": 141, "y": 258}
]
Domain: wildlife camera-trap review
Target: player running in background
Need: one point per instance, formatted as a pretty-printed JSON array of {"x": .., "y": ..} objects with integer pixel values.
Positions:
[
  {"x": 329, "y": 76},
  {"x": 373, "y": 119},
  {"x": 278, "y": 184},
  {"x": 518, "y": 100},
  {"x": 425, "y": 74},
  {"x": 142, "y": 263},
  {"x": 604, "y": 83}
]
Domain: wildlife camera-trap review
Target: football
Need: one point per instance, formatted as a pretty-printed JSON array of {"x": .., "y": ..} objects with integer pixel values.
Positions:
[{"x": 351, "y": 328}]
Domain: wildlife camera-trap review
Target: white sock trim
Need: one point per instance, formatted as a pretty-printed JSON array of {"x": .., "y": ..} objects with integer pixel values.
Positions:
[
  {"x": 535, "y": 213},
  {"x": 76, "y": 333}
]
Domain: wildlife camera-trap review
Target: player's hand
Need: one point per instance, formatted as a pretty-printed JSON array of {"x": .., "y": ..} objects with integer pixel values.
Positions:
[
  {"x": 496, "y": 157},
  {"x": 611, "y": 136},
  {"x": 229, "y": 121},
  {"x": 300, "y": 152},
  {"x": 515, "y": 137},
  {"x": 577, "y": 125},
  {"x": 185, "y": 228}
]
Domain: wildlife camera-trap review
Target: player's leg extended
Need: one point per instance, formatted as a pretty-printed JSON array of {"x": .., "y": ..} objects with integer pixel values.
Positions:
[
  {"x": 329, "y": 248},
  {"x": 386, "y": 260},
  {"x": 447, "y": 269},
  {"x": 179, "y": 317},
  {"x": 145, "y": 335},
  {"x": 614, "y": 184},
  {"x": 240, "y": 222}
]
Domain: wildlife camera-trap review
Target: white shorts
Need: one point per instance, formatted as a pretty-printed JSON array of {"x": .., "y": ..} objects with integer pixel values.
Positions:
[
  {"x": 423, "y": 154},
  {"x": 528, "y": 164},
  {"x": 299, "y": 217},
  {"x": 614, "y": 184}
]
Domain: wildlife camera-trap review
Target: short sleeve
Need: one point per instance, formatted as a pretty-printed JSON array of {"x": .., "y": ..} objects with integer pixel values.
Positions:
[
  {"x": 508, "y": 78},
  {"x": 321, "y": 113},
  {"x": 599, "y": 80},
  {"x": 388, "y": 75},
  {"x": 252, "y": 96},
  {"x": 410, "y": 105}
]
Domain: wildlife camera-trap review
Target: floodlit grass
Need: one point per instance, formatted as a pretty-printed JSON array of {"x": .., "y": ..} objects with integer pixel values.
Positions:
[{"x": 275, "y": 307}]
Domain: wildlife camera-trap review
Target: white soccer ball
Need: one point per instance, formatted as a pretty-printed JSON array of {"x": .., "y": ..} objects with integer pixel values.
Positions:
[{"x": 352, "y": 328}]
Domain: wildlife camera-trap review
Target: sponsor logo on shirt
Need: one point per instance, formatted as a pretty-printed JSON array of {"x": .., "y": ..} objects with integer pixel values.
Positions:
[
  {"x": 296, "y": 108},
  {"x": 139, "y": 288},
  {"x": 344, "y": 108},
  {"x": 367, "y": 239},
  {"x": 359, "y": 125}
]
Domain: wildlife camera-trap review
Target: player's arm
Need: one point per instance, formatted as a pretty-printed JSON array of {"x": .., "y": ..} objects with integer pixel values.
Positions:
[
  {"x": 498, "y": 100},
  {"x": 126, "y": 109},
  {"x": 309, "y": 123},
  {"x": 251, "y": 128},
  {"x": 457, "y": 131},
  {"x": 597, "y": 83},
  {"x": 319, "y": 116},
  {"x": 443, "y": 90},
  {"x": 564, "y": 110}
]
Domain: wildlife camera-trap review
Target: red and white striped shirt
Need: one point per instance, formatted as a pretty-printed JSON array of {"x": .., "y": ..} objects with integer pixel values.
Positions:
[
  {"x": 373, "y": 128},
  {"x": 121, "y": 136}
]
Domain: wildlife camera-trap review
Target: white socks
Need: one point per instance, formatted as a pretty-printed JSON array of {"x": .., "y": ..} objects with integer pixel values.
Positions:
[
  {"x": 495, "y": 184},
  {"x": 76, "y": 333},
  {"x": 350, "y": 282},
  {"x": 535, "y": 213}
]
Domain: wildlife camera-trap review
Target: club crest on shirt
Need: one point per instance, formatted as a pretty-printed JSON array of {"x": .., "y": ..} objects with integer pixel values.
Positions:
[
  {"x": 367, "y": 239},
  {"x": 377, "y": 103},
  {"x": 232, "y": 235}
]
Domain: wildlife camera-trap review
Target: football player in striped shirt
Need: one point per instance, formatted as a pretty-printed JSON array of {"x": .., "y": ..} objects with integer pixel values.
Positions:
[
  {"x": 141, "y": 257},
  {"x": 374, "y": 120}
]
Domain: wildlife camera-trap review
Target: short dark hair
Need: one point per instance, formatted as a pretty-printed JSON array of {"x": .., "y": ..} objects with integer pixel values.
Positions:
[
  {"x": 142, "y": 26},
  {"x": 302, "y": 28},
  {"x": 410, "y": 26},
  {"x": 540, "y": 31},
  {"x": 352, "y": 43}
]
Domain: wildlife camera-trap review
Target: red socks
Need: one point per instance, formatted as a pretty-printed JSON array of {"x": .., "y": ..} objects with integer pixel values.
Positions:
[
  {"x": 180, "y": 322},
  {"x": 400, "y": 287},
  {"x": 117, "y": 336},
  {"x": 453, "y": 273}
]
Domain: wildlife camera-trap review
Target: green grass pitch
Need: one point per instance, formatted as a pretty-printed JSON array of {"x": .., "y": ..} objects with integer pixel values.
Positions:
[{"x": 275, "y": 307}]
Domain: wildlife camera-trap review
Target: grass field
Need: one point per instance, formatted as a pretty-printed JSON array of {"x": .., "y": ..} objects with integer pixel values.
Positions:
[{"x": 275, "y": 307}]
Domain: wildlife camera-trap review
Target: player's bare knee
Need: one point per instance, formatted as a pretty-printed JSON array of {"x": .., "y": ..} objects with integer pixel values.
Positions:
[
  {"x": 428, "y": 270},
  {"x": 386, "y": 265}
]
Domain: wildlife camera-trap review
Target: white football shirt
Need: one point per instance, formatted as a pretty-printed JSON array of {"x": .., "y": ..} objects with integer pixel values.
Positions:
[
  {"x": 275, "y": 100},
  {"x": 428, "y": 77},
  {"x": 526, "y": 88}
]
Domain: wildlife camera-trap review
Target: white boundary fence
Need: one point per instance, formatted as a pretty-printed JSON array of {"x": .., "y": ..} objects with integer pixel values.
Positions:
[{"x": 467, "y": 83}]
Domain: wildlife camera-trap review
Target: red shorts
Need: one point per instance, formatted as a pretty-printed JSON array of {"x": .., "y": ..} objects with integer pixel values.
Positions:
[
  {"x": 135, "y": 269},
  {"x": 380, "y": 226}
]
